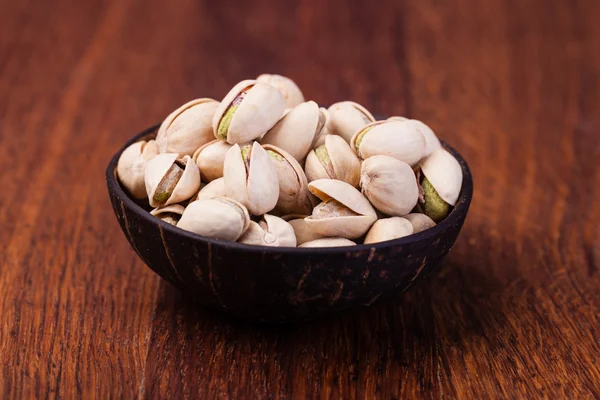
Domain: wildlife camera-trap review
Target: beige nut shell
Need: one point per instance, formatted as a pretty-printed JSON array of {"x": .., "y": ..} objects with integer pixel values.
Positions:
[
  {"x": 444, "y": 173},
  {"x": 186, "y": 187},
  {"x": 213, "y": 189},
  {"x": 216, "y": 218},
  {"x": 132, "y": 164},
  {"x": 420, "y": 222},
  {"x": 329, "y": 242},
  {"x": 210, "y": 159},
  {"x": 293, "y": 185},
  {"x": 296, "y": 131},
  {"x": 389, "y": 229},
  {"x": 258, "y": 188},
  {"x": 347, "y": 117},
  {"x": 187, "y": 128},
  {"x": 258, "y": 112},
  {"x": 345, "y": 164},
  {"x": 276, "y": 232},
  {"x": 389, "y": 184},
  {"x": 286, "y": 86},
  {"x": 301, "y": 229},
  {"x": 350, "y": 227}
]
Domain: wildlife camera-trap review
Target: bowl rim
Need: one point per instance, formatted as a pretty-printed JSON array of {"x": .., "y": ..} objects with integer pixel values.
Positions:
[{"x": 463, "y": 202}]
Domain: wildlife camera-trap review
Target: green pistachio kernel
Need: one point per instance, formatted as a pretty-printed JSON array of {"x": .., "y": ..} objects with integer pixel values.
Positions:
[
  {"x": 275, "y": 155},
  {"x": 245, "y": 153},
  {"x": 323, "y": 156},
  {"x": 434, "y": 207},
  {"x": 168, "y": 182},
  {"x": 225, "y": 122},
  {"x": 360, "y": 137}
]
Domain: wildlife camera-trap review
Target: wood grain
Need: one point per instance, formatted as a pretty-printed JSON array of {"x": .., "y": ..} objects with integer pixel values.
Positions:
[{"x": 513, "y": 85}]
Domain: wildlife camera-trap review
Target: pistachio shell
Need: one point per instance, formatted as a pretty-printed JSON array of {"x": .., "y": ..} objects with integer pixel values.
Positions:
[
  {"x": 252, "y": 181},
  {"x": 293, "y": 185},
  {"x": 210, "y": 158},
  {"x": 389, "y": 229},
  {"x": 257, "y": 112},
  {"x": 389, "y": 184},
  {"x": 287, "y": 87},
  {"x": 295, "y": 132},
  {"x": 301, "y": 229},
  {"x": 179, "y": 185},
  {"x": 444, "y": 173},
  {"x": 329, "y": 242},
  {"x": 270, "y": 231},
  {"x": 319, "y": 138},
  {"x": 420, "y": 222},
  {"x": 347, "y": 117},
  {"x": 215, "y": 188},
  {"x": 170, "y": 214},
  {"x": 187, "y": 128},
  {"x": 432, "y": 143},
  {"x": 131, "y": 166},
  {"x": 401, "y": 140},
  {"x": 344, "y": 212},
  {"x": 335, "y": 160},
  {"x": 216, "y": 218},
  {"x": 398, "y": 118}
]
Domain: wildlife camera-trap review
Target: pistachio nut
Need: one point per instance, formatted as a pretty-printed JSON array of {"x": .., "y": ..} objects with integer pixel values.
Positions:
[
  {"x": 344, "y": 211},
  {"x": 420, "y": 222},
  {"x": 441, "y": 182},
  {"x": 187, "y": 128},
  {"x": 329, "y": 242},
  {"x": 216, "y": 218},
  {"x": 296, "y": 131},
  {"x": 347, "y": 117},
  {"x": 293, "y": 185},
  {"x": 325, "y": 131},
  {"x": 249, "y": 110},
  {"x": 171, "y": 180},
  {"x": 214, "y": 188},
  {"x": 389, "y": 229},
  {"x": 398, "y": 118},
  {"x": 269, "y": 231},
  {"x": 398, "y": 139},
  {"x": 251, "y": 178},
  {"x": 169, "y": 214},
  {"x": 131, "y": 166},
  {"x": 389, "y": 184},
  {"x": 301, "y": 229},
  {"x": 333, "y": 160},
  {"x": 210, "y": 158},
  {"x": 287, "y": 87},
  {"x": 432, "y": 143}
]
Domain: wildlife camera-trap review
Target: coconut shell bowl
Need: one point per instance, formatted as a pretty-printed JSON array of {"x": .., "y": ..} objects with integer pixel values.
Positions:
[{"x": 278, "y": 284}]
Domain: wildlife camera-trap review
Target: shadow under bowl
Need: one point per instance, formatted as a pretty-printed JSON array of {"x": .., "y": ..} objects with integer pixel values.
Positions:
[{"x": 273, "y": 284}]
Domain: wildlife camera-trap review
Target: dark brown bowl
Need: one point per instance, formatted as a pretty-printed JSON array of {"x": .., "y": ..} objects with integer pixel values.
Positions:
[{"x": 282, "y": 284}]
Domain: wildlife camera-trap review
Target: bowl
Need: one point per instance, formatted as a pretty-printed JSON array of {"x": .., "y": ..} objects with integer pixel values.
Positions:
[{"x": 273, "y": 284}]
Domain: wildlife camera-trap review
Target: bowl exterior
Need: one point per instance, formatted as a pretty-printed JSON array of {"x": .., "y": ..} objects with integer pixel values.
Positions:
[{"x": 282, "y": 285}]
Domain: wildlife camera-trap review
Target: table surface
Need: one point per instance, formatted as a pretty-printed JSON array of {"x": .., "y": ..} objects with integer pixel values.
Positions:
[{"x": 513, "y": 85}]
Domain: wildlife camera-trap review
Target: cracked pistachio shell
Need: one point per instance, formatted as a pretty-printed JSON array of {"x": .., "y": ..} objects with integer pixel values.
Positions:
[
  {"x": 389, "y": 184},
  {"x": 398, "y": 139},
  {"x": 269, "y": 231},
  {"x": 287, "y": 87},
  {"x": 319, "y": 138},
  {"x": 444, "y": 173},
  {"x": 420, "y": 222},
  {"x": 329, "y": 242},
  {"x": 210, "y": 158},
  {"x": 296, "y": 131},
  {"x": 301, "y": 229},
  {"x": 216, "y": 218},
  {"x": 249, "y": 110},
  {"x": 169, "y": 214},
  {"x": 293, "y": 185},
  {"x": 251, "y": 179},
  {"x": 432, "y": 143},
  {"x": 131, "y": 166},
  {"x": 170, "y": 180},
  {"x": 347, "y": 117},
  {"x": 344, "y": 211},
  {"x": 389, "y": 229},
  {"x": 333, "y": 160},
  {"x": 215, "y": 188},
  {"x": 187, "y": 128}
]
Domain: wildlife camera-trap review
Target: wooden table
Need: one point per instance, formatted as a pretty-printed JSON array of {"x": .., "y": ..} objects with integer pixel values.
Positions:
[{"x": 514, "y": 311}]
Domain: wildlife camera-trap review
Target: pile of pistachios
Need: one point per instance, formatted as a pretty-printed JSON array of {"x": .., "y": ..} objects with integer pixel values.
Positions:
[{"x": 265, "y": 167}]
